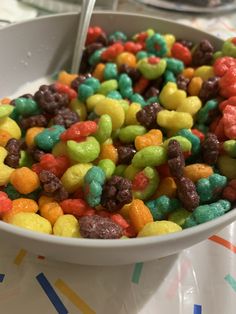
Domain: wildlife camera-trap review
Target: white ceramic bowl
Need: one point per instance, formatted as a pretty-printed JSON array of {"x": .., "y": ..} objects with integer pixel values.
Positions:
[{"x": 38, "y": 48}]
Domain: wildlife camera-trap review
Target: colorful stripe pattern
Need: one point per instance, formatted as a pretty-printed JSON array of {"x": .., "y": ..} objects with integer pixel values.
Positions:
[
  {"x": 2, "y": 277},
  {"x": 223, "y": 242},
  {"x": 197, "y": 309},
  {"x": 51, "y": 294},
  {"x": 19, "y": 257},
  {"x": 137, "y": 272},
  {"x": 231, "y": 281}
]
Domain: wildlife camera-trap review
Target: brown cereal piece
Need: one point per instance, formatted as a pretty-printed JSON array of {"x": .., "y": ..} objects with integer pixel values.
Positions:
[
  {"x": 203, "y": 53},
  {"x": 209, "y": 89},
  {"x": 210, "y": 149},
  {"x": 125, "y": 153},
  {"x": 187, "y": 193},
  {"x": 13, "y": 147},
  {"x": 65, "y": 117},
  {"x": 38, "y": 120},
  {"x": 176, "y": 160},
  {"x": 148, "y": 115}
]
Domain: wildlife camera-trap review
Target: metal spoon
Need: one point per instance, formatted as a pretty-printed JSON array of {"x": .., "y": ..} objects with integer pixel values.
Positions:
[{"x": 85, "y": 16}]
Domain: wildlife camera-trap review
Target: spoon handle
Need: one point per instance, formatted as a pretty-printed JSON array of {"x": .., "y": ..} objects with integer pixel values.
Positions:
[{"x": 85, "y": 16}]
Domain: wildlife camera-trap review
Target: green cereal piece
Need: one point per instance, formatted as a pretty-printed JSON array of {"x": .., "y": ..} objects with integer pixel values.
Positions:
[
  {"x": 130, "y": 172},
  {"x": 179, "y": 216},
  {"x": 117, "y": 36},
  {"x": 169, "y": 77},
  {"x": 217, "y": 54},
  {"x": 49, "y": 137},
  {"x": 151, "y": 71},
  {"x": 203, "y": 113},
  {"x": 138, "y": 99},
  {"x": 114, "y": 94},
  {"x": 26, "y": 107},
  {"x": 156, "y": 40},
  {"x": 13, "y": 194},
  {"x": 229, "y": 48},
  {"x": 189, "y": 222},
  {"x": 95, "y": 58},
  {"x": 230, "y": 148},
  {"x": 104, "y": 128},
  {"x": 174, "y": 65},
  {"x": 5, "y": 110},
  {"x": 108, "y": 166},
  {"x": 141, "y": 55},
  {"x": 93, "y": 83},
  {"x": 202, "y": 128},
  {"x": 110, "y": 71},
  {"x": 93, "y": 182},
  {"x": 108, "y": 86},
  {"x": 185, "y": 144},
  {"x": 84, "y": 152},
  {"x": 120, "y": 170},
  {"x": 124, "y": 103},
  {"x": 150, "y": 156},
  {"x": 195, "y": 141},
  {"x": 153, "y": 182},
  {"x": 125, "y": 85},
  {"x": 210, "y": 188},
  {"x": 130, "y": 132},
  {"x": 162, "y": 206},
  {"x": 152, "y": 100},
  {"x": 227, "y": 166},
  {"x": 84, "y": 92},
  {"x": 25, "y": 159}
]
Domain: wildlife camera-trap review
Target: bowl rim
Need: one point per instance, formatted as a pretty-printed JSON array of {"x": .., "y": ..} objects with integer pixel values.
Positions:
[{"x": 111, "y": 243}]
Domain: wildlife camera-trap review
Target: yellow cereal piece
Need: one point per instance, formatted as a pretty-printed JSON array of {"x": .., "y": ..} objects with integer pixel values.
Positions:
[
  {"x": 78, "y": 107},
  {"x": 174, "y": 120},
  {"x": 114, "y": 109},
  {"x": 195, "y": 86},
  {"x": 93, "y": 100},
  {"x": 190, "y": 104},
  {"x": 9, "y": 125},
  {"x": 5, "y": 171},
  {"x": 170, "y": 96},
  {"x": 51, "y": 211},
  {"x": 73, "y": 178},
  {"x": 4, "y": 137},
  {"x": 31, "y": 221},
  {"x": 159, "y": 228},
  {"x": 44, "y": 200},
  {"x": 20, "y": 205},
  {"x": 60, "y": 149},
  {"x": 170, "y": 40},
  {"x": 205, "y": 72},
  {"x": 130, "y": 114},
  {"x": 31, "y": 134},
  {"x": 127, "y": 58},
  {"x": 67, "y": 226}
]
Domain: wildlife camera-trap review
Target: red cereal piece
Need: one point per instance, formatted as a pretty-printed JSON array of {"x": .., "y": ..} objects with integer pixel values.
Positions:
[
  {"x": 229, "y": 192},
  {"x": 112, "y": 51},
  {"x": 182, "y": 53},
  {"x": 141, "y": 37},
  {"x": 62, "y": 88},
  {"x": 227, "y": 83},
  {"x": 217, "y": 127},
  {"x": 56, "y": 165},
  {"x": 104, "y": 213},
  {"x": 153, "y": 60},
  {"x": 141, "y": 85},
  {"x": 79, "y": 131},
  {"x": 229, "y": 120},
  {"x": 140, "y": 182},
  {"x": 222, "y": 65},
  {"x": 79, "y": 193},
  {"x": 117, "y": 218},
  {"x": 132, "y": 47},
  {"x": 89, "y": 212},
  {"x": 5, "y": 203},
  {"x": 163, "y": 170},
  {"x": 76, "y": 207},
  {"x": 93, "y": 34},
  {"x": 231, "y": 101},
  {"x": 199, "y": 134},
  {"x": 130, "y": 232}
]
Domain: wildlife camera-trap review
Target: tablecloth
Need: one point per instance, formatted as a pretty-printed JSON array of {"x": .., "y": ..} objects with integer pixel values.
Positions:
[{"x": 199, "y": 280}]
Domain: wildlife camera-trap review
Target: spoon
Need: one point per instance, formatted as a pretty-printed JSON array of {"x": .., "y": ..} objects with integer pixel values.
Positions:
[{"x": 85, "y": 16}]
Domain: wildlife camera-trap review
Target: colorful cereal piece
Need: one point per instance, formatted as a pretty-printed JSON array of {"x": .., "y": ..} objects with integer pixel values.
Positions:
[{"x": 159, "y": 228}]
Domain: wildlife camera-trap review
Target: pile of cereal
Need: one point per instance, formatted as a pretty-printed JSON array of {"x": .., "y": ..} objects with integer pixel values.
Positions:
[{"x": 141, "y": 142}]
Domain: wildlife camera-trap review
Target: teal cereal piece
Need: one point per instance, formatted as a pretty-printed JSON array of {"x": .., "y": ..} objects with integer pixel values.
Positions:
[
  {"x": 210, "y": 188},
  {"x": 174, "y": 65},
  {"x": 203, "y": 113},
  {"x": 202, "y": 128},
  {"x": 84, "y": 92},
  {"x": 104, "y": 128},
  {"x": 162, "y": 206},
  {"x": 229, "y": 48},
  {"x": 117, "y": 36},
  {"x": 110, "y": 71},
  {"x": 185, "y": 144},
  {"x": 93, "y": 183},
  {"x": 120, "y": 170},
  {"x": 151, "y": 70},
  {"x": 114, "y": 94},
  {"x": 230, "y": 148},
  {"x": 25, "y": 159},
  {"x": 195, "y": 141},
  {"x": 136, "y": 97},
  {"x": 206, "y": 213},
  {"x": 13, "y": 194},
  {"x": 141, "y": 55},
  {"x": 26, "y": 107},
  {"x": 85, "y": 151},
  {"x": 95, "y": 58},
  {"x": 156, "y": 44},
  {"x": 179, "y": 216},
  {"x": 49, "y": 137},
  {"x": 93, "y": 83},
  {"x": 125, "y": 85},
  {"x": 151, "y": 156},
  {"x": 153, "y": 181},
  {"x": 169, "y": 76},
  {"x": 108, "y": 86},
  {"x": 151, "y": 100},
  {"x": 5, "y": 111},
  {"x": 130, "y": 132},
  {"x": 108, "y": 166}
]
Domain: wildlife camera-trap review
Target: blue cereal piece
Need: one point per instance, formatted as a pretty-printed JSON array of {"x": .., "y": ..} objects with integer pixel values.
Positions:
[
  {"x": 206, "y": 213},
  {"x": 210, "y": 188},
  {"x": 162, "y": 206},
  {"x": 49, "y": 137},
  {"x": 93, "y": 183}
]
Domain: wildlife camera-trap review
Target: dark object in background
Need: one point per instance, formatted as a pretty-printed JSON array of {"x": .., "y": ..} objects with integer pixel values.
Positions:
[{"x": 205, "y": 3}]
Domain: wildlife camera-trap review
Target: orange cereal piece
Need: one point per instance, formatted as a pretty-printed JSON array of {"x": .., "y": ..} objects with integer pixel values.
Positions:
[
  {"x": 44, "y": 200},
  {"x": 4, "y": 137},
  {"x": 139, "y": 214},
  {"x": 5, "y": 101},
  {"x": 51, "y": 211},
  {"x": 127, "y": 58},
  {"x": 98, "y": 71},
  {"x": 20, "y": 205},
  {"x": 24, "y": 180},
  {"x": 167, "y": 186},
  {"x": 152, "y": 138},
  {"x": 124, "y": 211},
  {"x": 66, "y": 78},
  {"x": 197, "y": 171},
  {"x": 108, "y": 151},
  {"x": 31, "y": 134},
  {"x": 195, "y": 85},
  {"x": 188, "y": 73}
]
